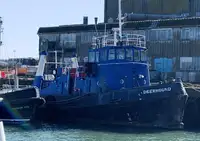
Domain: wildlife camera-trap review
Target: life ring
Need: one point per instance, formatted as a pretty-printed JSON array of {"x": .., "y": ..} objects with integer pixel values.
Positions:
[
  {"x": 97, "y": 83},
  {"x": 122, "y": 81}
]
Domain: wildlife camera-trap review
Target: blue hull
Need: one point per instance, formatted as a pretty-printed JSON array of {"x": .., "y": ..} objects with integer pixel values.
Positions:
[{"x": 154, "y": 106}]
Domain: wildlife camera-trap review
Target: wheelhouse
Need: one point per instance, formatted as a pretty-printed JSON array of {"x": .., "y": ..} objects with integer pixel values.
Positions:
[
  {"x": 109, "y": 49},
  {"x": 113, "y": 54}
]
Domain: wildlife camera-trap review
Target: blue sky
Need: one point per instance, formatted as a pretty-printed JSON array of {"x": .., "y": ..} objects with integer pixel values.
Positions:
[{"x": 22, "y": 18}]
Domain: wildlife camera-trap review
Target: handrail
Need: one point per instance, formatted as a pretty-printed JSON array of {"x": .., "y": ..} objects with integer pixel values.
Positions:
[{"x": 136, "y": 40}]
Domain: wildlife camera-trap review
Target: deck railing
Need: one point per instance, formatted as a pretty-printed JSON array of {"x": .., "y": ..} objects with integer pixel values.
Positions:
[{"x": 136, "y": 40}]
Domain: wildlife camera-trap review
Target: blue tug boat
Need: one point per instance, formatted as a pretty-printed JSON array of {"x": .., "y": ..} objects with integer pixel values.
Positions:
[{"x": 113, "y": 87}]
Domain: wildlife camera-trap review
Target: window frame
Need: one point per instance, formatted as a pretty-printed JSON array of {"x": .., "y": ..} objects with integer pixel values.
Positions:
[
  {"x": 117, "y": 54},
  {"x": 139, "y": 55},
  {"x": 130, "y": 54},
  {"x": 109, "y": 54},
  {"x": 97, "y": 56},
  {"x": 103, "y": 55}
]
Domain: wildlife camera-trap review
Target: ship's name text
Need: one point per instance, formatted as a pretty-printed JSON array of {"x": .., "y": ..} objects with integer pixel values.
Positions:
[{"x": 157, "y": 90}]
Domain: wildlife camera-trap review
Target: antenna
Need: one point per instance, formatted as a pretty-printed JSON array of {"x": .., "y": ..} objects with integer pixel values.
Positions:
[
  {"x": 96, "y": 20},
  {"x": 105, "y": 29}
]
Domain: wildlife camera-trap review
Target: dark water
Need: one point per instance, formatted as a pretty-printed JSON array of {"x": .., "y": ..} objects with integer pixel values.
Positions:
[{"x": 58, "y": 133}]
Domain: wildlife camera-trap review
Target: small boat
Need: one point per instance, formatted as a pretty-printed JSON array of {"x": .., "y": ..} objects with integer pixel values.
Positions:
[
  {"x": 113, "y": 87},
  {"x": 19, "y": 106}
]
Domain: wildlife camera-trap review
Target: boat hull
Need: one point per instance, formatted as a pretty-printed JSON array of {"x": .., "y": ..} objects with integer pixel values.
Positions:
[
  {"x": 19, "y": 106},
  {"x": 124, "y": 107}
]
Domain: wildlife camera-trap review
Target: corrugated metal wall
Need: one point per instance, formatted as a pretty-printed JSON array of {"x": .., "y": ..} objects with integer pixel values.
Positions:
[
  {"x": 151, "y": 7},
  {"x": 179, "y": 43}
]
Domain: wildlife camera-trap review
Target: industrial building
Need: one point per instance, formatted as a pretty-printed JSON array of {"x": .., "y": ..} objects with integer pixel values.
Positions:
[
  {"x": 173, "y": 42},
  {"x": 151, "y": 9}
]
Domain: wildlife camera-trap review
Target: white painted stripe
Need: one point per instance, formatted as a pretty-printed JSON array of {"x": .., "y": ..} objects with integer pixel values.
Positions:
[
  {"x": 2, "y": 132},
  {"x": 15, "y": 120},
  {"x": 123, "y": 63},
  {"x": 41, "y": 65}
]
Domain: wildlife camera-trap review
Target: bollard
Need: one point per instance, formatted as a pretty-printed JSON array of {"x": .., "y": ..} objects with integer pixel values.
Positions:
[{"x": 2, "y": 133}]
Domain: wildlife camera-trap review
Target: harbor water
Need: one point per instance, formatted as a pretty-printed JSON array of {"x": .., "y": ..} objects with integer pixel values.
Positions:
[{"x": 65, "y": 133}]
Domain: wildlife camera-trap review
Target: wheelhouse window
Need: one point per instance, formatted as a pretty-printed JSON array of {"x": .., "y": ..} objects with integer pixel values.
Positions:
[
  {"x": 103, "y": 55},
  {"x": 120, "y": 54},
  {"x": 97, "y": 56},
  {"x": 129, "y": 54},
  {"x": 143, "y": 55},
  {"x": 111, "y": 54},
  {"x": 91, "y": 56},
  {"x": 136, "y": 55}
]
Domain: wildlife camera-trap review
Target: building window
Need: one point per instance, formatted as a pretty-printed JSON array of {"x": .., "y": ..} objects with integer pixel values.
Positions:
[
  {"x": 97, "y": 56},
  {"x": 160, "y": 34},
  {"x": 111, "y": 55},
  {"x": 152, "y": 35},
  {"x": 188, "y": 33},
  {"x": 49, "y": 37},
  {"x": 86, "y": 37},
  {"x": 68, "y": 40},
  {"x": 186, "y": 63},
  {"x": 197, "y": 33},
  {"x": 136, "y": 55},
  {"x": 120, "y": 54},
  {"x": 91, "y": 57},
  {"x": 129, "y": 54},
  {"x": 103, "y": 55}
]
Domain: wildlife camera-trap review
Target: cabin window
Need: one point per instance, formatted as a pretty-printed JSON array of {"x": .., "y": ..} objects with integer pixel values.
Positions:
[
  {"x": 97, "y": 56},
  {"x": 129, "y": 54},
  {"x": 91, "y": 56},
  {"x": 103, "y": 55},
  {"x": 111, "y": 55},
  {"x": 136, "y": 55},
  {"x": 120, "y": 54},
  {"x": 143, "y": 55}
]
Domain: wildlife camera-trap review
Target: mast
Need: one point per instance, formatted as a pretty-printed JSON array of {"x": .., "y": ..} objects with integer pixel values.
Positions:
[
  {"x": 16, "y": 78},
  {"x": 120, "y": 19}
]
